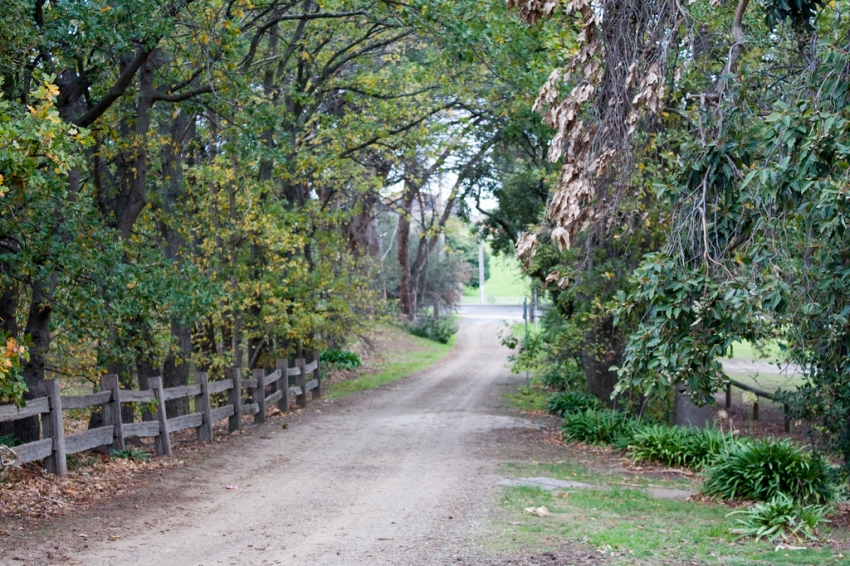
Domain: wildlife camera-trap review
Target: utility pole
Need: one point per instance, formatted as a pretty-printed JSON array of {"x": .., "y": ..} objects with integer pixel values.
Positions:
[{"x": 480, "y": 266}]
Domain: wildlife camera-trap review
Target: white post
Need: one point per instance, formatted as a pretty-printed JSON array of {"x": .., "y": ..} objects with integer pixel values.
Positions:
[{"x": 481, "y": 267}]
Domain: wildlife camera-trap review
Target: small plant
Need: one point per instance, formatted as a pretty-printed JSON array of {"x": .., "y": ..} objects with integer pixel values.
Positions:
[
  {"x": 599, "y": 427},
  {"x": 440, "y": 329},
  {"x": 678, "y": 446},
  {"x": 781, "y": 517},
  {"x": 567, "y": 402},
  {"x": 764, "y": 469},
  {"x": 9, "y": 440},
  {"x": 342, "y": 359},
  {"x": 131, "y": 454}
]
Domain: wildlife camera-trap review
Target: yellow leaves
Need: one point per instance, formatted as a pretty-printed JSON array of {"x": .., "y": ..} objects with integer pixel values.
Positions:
[
  {"x": 105, "y": 9},
  {"x": 132, "y": 285}
]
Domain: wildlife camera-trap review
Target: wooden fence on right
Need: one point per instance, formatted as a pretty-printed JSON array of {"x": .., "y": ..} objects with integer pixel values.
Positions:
[
  {"x": 789, "y": 421},
  {"x": 251, "y": 396}
]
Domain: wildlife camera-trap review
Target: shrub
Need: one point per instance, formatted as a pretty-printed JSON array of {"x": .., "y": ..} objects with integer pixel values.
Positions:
[
  {"x": 568, "y": 402},
  {"x": 437, "y": 329},
  {"x": 131, "y": 454},
  {"x": 340, "y": 358},
  {"x": 678, "y": 446},
  {"x": 561, "y": 375},
  {"x": 9, "y": 440},
  {"x": 764, "y": 469},
  {"x": 599, "y": 427},
  {"x": 780, "y": 517}
]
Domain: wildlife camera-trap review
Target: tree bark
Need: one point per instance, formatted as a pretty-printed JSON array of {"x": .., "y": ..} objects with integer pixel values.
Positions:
[{"x": 406, "y": 288}]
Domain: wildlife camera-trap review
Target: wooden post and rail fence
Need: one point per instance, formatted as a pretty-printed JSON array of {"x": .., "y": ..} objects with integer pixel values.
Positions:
[
  {"x": 789, "y": 422},
  {"x": 289, "y": 381}
]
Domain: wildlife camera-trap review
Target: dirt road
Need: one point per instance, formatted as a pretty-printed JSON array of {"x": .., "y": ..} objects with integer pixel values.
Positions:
[{"x": 400, "y": 475}]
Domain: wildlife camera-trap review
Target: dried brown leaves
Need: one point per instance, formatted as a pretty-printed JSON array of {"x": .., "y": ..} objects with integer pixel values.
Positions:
[
  {"x": 533, "y": 10},
  {"x": 30, "y": 492},
  {"x": 594, "y": 120}
]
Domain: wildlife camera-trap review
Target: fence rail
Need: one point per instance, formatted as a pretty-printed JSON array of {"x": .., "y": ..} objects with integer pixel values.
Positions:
[
  {"x": 54, "y": 446},
  {"x": 789, "y": 421}
]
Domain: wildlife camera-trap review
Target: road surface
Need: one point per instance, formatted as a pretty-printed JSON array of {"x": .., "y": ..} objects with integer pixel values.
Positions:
[{"x": 400, "y": 475}]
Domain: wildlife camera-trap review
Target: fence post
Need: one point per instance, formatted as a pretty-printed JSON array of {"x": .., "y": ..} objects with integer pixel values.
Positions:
[
  {"x": 163, "y": 441},
  {"x": 317, "y": 392},
  {"x": 283, "y": 385},
  {"x": 202, "y": 405},
  {"x": 728, "y": 395},
  {"x": 258, "y": 394},
  {"x": 234, "y": 397},
  {"x": 112, "y": 409},
  {"x": 789, "y": 422},
  {"x": 52, "y": 425},
  {"x": 756, "y": 410},
  {"x": 301, "y": 381}
]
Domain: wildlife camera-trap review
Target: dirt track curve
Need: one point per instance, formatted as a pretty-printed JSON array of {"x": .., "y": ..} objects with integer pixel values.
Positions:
[{"x": 400, "y": 475}]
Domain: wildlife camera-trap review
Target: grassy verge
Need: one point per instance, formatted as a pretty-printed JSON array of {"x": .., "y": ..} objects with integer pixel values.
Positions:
[
  {"x": 422, "y": 354},
  {"x": 631, "y": 527},
  {"x": 532, "y": 398},
  {"x": 620, "y": 520}
]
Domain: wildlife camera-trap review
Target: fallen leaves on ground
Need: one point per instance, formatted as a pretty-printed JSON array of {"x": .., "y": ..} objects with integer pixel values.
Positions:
[
  {"x": 30, "y": 492},
  {"x": 541, "y": 511}
]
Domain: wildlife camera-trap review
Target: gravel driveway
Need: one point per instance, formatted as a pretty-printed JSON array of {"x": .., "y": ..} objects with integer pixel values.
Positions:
[{"x": 400, "y": 475}]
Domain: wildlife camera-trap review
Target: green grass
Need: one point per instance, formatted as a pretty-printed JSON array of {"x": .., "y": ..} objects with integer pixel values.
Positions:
[
  {"x": 398, "y": 365},
  {"x": 506, "y": 279},
  {"x": 630, "y": 526},
  {"x": 529, "y": 399},
  {"x": 768, "y": 378},
  {"x": 746, "y": 351}
]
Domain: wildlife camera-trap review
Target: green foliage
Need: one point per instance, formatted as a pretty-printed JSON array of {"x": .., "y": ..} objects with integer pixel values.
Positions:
[
  {"x": 9, "y": 440},
  {"x": 465, "y": 244},
  {"x": 781, "y": 517},
  {"x": 563, "y": 375},
  {"x": 12, "y": 358},
  {"x": 567, "y": 402},
  {"x": 762, "y": 469},
  {"x": 599, "y": 427},
  {"x": 131, "y": 454},
  {"x": 437, "y": 329},
  {"x": 678, "y": 446},
  {"x": 340, "y": 358},
  {"x": 800, "y": 12}
]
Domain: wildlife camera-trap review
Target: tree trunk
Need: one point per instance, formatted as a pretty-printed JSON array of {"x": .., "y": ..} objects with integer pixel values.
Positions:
[
  {"x": 406, "y": 288},
  {"x": 602, "y": 350},
  {"x": 38, "y": 329},
  {"x": 176, "y": 367},
  {"x": 686, "y": 413}
]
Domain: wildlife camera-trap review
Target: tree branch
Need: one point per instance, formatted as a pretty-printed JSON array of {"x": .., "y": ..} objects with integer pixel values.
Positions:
[{"x": 117, "y": 89}]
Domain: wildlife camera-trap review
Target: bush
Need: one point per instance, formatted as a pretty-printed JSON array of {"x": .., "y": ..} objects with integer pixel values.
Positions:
[
  {"x": 131, "y": 454},
  {"x": 567, "y": 402},
  {"x": 9, "y": 440},
  {"x": 764, "y": 469},
  {"x": 340, "y": 358},
  {"x": 780, "y": 517},
  {"x": 561, "y": 375},
  {"x": 678, "y": 446},
  {"x": 599, "y": 427},
  {"x": 437, "y": 329}
]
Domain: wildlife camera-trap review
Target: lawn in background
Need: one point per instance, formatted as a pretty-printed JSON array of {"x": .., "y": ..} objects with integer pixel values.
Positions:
[{"x": 506, "y": 279}]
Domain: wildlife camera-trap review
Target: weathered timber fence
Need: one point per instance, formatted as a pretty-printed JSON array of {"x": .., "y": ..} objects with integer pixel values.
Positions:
[
  {"x": 288, "y": 382},
  {"x": 789, "y": 422}
]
